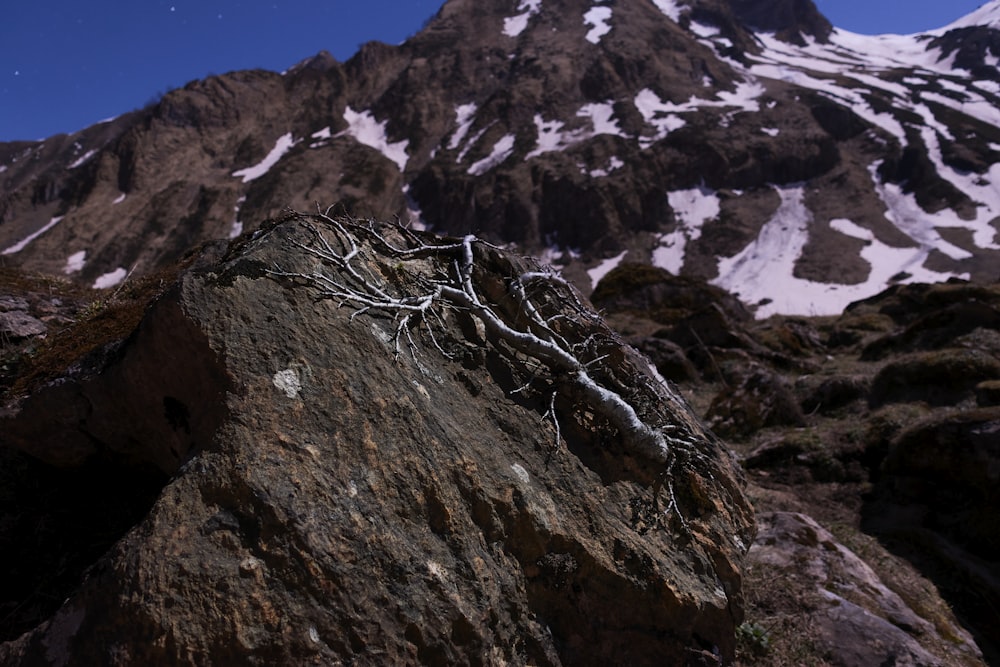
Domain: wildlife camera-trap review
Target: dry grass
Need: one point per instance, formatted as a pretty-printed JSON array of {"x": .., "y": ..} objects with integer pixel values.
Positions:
[{"x": 95, "y": 322}]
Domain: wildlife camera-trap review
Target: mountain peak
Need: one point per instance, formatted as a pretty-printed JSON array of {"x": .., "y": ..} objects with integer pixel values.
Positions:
[
  {"x": 790, "y": 20},
  {"x": 987, "y": 15}
]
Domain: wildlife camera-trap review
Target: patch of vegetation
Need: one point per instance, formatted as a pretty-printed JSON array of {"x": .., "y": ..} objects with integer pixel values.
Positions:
[
  {"x": 101, "y": 320},
  {"x": 753, "y": 639}
]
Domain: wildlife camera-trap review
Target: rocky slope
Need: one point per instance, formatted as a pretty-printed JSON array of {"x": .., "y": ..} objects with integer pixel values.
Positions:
[
  {"x": 208, "y": 486},
  {"x": 745, "y": 142},
  {"x": 350, "y": 443},
  {"x": 883, "y": 422}
]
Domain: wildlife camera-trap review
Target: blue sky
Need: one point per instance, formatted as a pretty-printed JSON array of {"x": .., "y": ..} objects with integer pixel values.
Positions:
[{"x": 66, "y": 64}]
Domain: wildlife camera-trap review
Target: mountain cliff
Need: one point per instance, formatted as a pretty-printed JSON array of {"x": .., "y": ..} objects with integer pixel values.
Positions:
[{"x": 746, "y": 143}]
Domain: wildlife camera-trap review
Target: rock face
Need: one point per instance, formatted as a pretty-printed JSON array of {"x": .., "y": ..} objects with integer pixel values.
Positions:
[
  {"x": 703, "y": 136},
  {"x": 399, "y": 480}
]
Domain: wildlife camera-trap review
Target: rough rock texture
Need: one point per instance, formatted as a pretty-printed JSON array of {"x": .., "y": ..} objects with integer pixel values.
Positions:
[
  {"x": 857, "y": 617},
  {"x": 356, "y": 486}
]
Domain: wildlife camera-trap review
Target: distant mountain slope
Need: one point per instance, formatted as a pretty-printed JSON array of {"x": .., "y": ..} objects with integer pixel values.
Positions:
[{"x": 742, "y": 141}]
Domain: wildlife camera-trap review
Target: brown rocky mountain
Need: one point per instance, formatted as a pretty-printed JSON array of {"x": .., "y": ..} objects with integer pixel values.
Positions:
[{"x": 701, "y": 136}]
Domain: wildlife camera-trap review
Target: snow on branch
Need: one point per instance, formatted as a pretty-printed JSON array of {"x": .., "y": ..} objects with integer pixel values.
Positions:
[{"x": 533, "y": 316}]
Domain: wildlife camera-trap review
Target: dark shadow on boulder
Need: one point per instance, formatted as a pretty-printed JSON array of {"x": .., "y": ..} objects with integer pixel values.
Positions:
[{"x": 56, "y": 523}]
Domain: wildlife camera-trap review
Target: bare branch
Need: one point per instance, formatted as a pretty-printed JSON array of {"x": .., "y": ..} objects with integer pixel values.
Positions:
[{"x": 549, "y": 326}]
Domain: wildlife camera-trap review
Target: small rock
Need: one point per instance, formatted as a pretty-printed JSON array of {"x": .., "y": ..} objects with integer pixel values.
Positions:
[
  {"x": 9, "y": 303},
  {"x": 988, "y": 393},
  {"x": 19, "y": 324}
]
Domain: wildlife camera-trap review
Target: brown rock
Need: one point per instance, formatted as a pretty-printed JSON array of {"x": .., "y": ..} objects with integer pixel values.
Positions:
[
  {"x": 755, "y": 399},
  {"x": 945, "y": 377},
  {"x": 857, "y": 618},
  {"x": 335, "y": 497},
  {"x": 938, "y": 500},
  {"x": 988, "y": 393}
]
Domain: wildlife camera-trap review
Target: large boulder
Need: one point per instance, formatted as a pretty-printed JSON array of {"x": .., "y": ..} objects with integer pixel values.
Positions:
[
  {"x": 945, "y": 377},
  {"x": 451, "y": 469}
]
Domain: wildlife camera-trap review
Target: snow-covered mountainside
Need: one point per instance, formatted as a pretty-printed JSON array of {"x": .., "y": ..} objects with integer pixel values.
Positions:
[{"x": 747, "y": 142}]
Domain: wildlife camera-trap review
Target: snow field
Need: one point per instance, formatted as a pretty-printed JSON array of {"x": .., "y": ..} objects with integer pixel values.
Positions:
[{"x": 23, "y": 243}]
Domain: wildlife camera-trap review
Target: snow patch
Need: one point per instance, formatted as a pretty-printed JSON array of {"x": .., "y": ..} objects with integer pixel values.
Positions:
[
  {"x": 370, "y": 132},
  {"x": 119, "y": 199},
  {"x": 604, "y": 268},
  {"x": 598, "y": 18},
  {"x": 662, "y": 115},
  {"x": 602, "y": 118},
  {"x": 20, "y": 245},
  {"x": 702, "y": 30},
  {"x": 886, "y": 263},
  {"x": 237, "y": 227},
  {"x": 670, "y": 9},
  {"x": 988, "y": 85},
  {"x": 75, "y": 262},
  {"x": 515, "y": 25},
  {"x": 552, "y": 255},
  {"x": 656, "y": 113},
  {"x": 321, "y": 137},
  {"x": 110, "y": 279},
  {"x": 414, "y": 216},
  {"x": 977, "y": 107},
  {"x": 465, "y": 114},
  {"x": 692, "y": 209},
  {"x": 770, "y": 131},
  {"x": 470, "y": 144},
  {"x": 987, "y": 15},
  {"x": 551, "y": 136},
  {"x": 903, "y": 211},
  {"x": 614, "y": 163},
  {"x": 502, "y": 150},
  {"x": 281, "y": 146},
  {"x": 82, "y": 159},
  {"x": 763, "y": 272}
]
